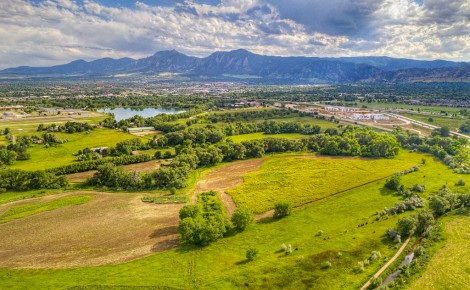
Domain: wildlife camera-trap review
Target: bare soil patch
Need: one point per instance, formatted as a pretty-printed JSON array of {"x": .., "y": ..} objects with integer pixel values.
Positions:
[
  {"x": 138, "y": 167},
  {"x": 112, "y": 228},
  {"x": 145, "y": 133},
  {"x": 226, "y": 178}
]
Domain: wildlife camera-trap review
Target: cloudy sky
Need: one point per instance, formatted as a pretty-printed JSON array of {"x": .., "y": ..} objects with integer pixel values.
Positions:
[{"x": 48, "y": 32}]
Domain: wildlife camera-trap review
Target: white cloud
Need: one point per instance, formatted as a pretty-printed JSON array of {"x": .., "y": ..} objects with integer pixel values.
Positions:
[{"x": 59, "y": 31}]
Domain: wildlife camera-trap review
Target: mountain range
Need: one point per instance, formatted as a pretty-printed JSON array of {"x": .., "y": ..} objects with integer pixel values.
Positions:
[{"x": 249, "y": 67}]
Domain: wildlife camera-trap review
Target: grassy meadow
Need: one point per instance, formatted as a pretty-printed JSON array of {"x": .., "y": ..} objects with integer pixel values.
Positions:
[
  {"x": 434, "y": 109},
  {"x": 222, "y": 265},
  {"x": 449, "y": 267},
  {"x": 255, "y": 136},
  {"x": 320, "y": 177},
  {"x": 62, "y": 154},
  {"x": 452, "y": 123},
  {"x": 20, "y": 211}
]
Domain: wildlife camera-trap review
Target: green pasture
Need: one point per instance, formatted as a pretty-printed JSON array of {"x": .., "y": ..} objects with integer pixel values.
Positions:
[
  {"x": 320, "y": 177},
  {"x": 20, "y": 211},
  {"x": 260, "y": 135},
  {"x": 62, "y": 154},
  {"x": 449, "y": 267},
  {"x": 452, "y": 123},
  {"x": 11, "y": 196},
  {"x": 28, "y": 126},
  {"x": 351, "y": 231},
  {"x": 434, "y": 109}
]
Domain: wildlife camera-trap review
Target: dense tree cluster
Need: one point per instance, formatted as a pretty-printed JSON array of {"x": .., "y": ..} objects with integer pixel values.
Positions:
[
  {"x": 15, "y": 151},
  {"x": 93, "y": 164},
  {"x": 451, "y": 150},
  {"x": 14, "y": 179},
  {"x": 417, "y": 224},
  {"x": 203, "y": 224},
  {"x": 68, "y": 127},
  {"x": 113, "y": 176},
  {"x": 465, "y": 128},
  {"x": 50, "y": 139},
  {"x": 202, "y": 152}
]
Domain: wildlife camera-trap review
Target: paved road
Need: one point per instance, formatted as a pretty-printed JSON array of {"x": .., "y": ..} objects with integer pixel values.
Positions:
[{"x": 425, "y": 125}]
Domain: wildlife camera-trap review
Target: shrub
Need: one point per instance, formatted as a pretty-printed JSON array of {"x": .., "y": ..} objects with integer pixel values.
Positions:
[
  {"x": 282, "y": 209},
  {"x": 461, "y": 182},
  {"x": 327, "y": 264},
  {"x": 190, "y": 211},
  {"x": 375, "y": 255},
  {"x": 241, "y": 218},
  {"x": 319, "y": 233},
  {"x": 418, "y": 188},
  {"x": 397, "y": 239},
  {"x": 419, "y": 251},
  {"x": 375, "y": 282},
  {"x": 361, "y": 266},
  {"x": 393, "y": 183},
  {"x": 407, "y": 225},
  {"x": 289, "y": 250},
  {"x": 251, "y": 253}
]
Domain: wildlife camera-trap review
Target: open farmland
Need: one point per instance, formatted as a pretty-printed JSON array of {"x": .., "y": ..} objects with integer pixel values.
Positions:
[
  {"x": 449, "y": 267},
  {"x": 320, "y": 176},
  {"x": 108, "y": 229},
  {"x": 222, "y": 265}
]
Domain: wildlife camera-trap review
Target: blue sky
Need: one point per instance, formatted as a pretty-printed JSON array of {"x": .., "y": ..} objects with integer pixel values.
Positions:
[{"x": 48, "y": 32}]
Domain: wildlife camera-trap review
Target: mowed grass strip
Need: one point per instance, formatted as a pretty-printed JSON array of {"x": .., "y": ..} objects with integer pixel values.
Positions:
[
  {"x": 279, "y": 178},
  {"x": 449, "y": 268},
  {"x": 257, "y": 136},
  {"x": 20, "y": 211}
]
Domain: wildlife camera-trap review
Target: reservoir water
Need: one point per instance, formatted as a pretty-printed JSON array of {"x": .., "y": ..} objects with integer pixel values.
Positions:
[{"x": 126, "y": 113}]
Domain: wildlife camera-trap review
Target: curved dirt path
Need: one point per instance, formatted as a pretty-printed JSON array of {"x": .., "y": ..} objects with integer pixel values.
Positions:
[
  {"x": 402, "y": 248},
  {"x": 225, "y": 178}
]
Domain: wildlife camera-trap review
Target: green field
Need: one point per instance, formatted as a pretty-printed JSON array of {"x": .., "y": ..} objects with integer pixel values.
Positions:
[
  {"x": 29, "y": 126},
  {"x": 306, "y": 120},
  {"x": 257, "y": 136},
  {"x": 10, "y": 196},
  {"x": 449, "y": 267},
  {"x": 20, "y": 211},
  {"x": 320, "y": 177},
  {"x": 434, "y": 109},
  {"x": 62, "y": 154},
  {"x": 452, "y": 123},
  {"x": 222, "y": 265}
]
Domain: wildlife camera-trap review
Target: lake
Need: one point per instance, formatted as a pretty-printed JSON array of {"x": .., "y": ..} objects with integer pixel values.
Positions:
[{"x": 126, "y": 113}]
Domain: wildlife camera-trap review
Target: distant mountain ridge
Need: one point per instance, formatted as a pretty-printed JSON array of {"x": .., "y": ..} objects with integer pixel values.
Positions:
[{"x": 236, "y": 64}]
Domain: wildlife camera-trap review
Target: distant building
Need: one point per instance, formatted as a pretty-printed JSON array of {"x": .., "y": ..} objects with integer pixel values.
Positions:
[
  {"x": 340, "y": 109},
  {"x": 370, "y": 116}
]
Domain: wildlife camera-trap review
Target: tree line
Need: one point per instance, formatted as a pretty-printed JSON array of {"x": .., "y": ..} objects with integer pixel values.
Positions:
[{"x": 351, "y": 142}]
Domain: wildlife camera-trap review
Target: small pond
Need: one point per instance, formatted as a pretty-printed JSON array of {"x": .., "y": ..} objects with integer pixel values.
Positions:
[{"x": 126, "y": 113}]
